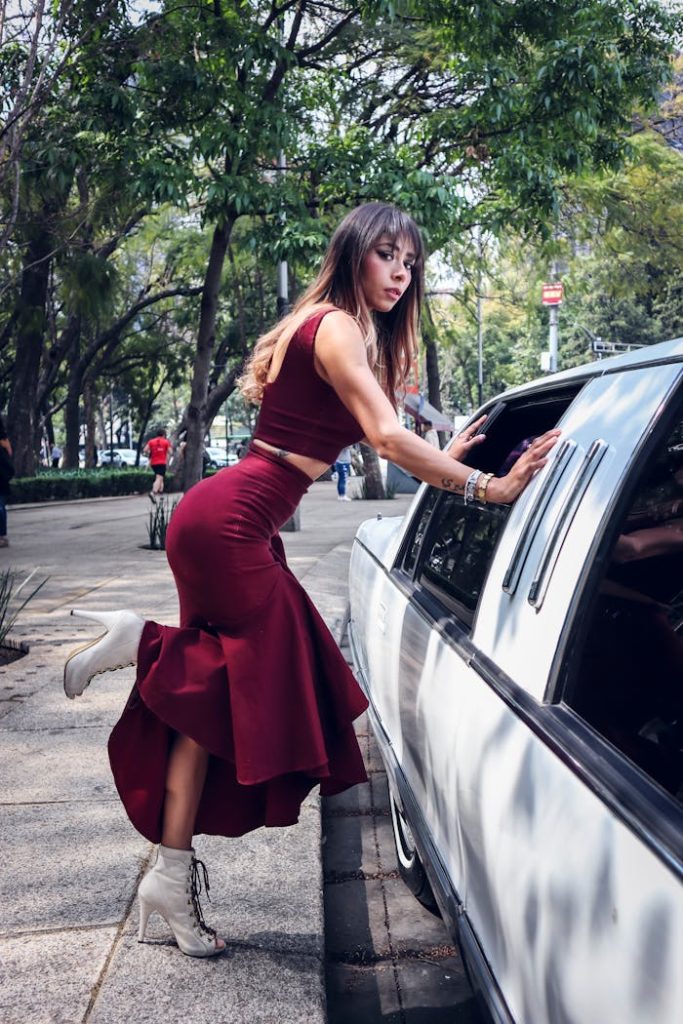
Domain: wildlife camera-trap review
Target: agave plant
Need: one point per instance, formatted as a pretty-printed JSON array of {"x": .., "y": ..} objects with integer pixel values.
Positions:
[
  {"x": 159, "y": 518},
  {"x": 14, "y": 597}
]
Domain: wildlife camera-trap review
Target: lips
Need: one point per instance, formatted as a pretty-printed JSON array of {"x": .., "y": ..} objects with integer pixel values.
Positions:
[{"x": 393, "y": 292}]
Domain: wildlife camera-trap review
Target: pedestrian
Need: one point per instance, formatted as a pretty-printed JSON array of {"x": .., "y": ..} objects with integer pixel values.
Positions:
[
  {"x": 430, "y": 435},
  {"x": 55, "y": 455},
  {"x": 342, "y": 468},
  {"x": 158, "y": 448},
  {"x": 238, "y": 712},
  {"x": 6, "y": 474}
]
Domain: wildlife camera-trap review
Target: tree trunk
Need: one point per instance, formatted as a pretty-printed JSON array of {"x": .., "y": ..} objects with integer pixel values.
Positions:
[
  {"x": 72, "y": 415},
  {"x": 30, "y": 332},
  {"x": 89, "y": 401},
  {"x": 433, "y": 375},
  {"x": 432, "y": 366},
  {"x": 374, "y": 488},
  {"x": 196, "y": 415}
]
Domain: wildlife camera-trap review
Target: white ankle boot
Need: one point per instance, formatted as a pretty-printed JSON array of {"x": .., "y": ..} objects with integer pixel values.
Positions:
[
  {"x": 172, "y": 888},
  {"x": 116, "y": 648}
]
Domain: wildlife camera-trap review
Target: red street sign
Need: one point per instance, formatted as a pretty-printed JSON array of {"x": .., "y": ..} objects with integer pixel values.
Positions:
[{"x": 552, "y": 294}]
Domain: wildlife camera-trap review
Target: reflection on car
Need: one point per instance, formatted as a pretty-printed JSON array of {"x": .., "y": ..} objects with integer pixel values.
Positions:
[{"x": 524, "y": 667}]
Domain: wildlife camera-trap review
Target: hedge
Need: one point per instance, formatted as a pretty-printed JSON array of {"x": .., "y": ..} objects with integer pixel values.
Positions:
[{"x": 61, "y": 485}]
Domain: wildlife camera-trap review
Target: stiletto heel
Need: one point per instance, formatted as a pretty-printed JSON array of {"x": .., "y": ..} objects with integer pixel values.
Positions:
[
  {"x": 172, "y": 889},
  {"x": 145, "y": 911},
  {"x": 116, "y": 648}
]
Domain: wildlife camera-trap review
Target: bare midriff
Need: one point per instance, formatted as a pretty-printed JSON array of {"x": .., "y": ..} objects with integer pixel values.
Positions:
[{"x": 313, "y": 468}]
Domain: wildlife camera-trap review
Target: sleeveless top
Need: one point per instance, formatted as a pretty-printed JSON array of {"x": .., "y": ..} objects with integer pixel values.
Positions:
[{"x": 300, "y": 412}]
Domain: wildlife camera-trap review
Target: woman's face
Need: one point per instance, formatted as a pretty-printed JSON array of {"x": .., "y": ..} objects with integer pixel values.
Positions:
[{"x": 386, "y": 272}]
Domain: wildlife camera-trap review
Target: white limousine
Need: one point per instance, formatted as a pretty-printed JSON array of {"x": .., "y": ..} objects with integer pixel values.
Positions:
[{"x": 524, "y": 667}]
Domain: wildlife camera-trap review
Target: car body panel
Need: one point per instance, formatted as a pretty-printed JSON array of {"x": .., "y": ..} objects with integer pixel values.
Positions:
[{"x": 576, "y": 912}]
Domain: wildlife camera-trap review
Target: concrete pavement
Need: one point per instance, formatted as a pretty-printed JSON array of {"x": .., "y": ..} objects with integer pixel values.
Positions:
[{"x": 71, "y": 860}]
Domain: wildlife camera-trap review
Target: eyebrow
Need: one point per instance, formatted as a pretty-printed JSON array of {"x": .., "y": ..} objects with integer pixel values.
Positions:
[{"x": 385, "y": 240}]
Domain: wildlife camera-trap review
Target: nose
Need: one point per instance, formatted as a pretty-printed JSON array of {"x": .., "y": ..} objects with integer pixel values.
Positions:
[{"x": 399, "y": 272}]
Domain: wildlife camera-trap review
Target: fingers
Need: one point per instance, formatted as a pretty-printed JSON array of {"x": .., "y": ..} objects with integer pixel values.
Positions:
[{"x": 474, "y": 427}]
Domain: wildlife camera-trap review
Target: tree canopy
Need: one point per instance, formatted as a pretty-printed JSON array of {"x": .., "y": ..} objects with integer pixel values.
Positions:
[{"x": 459, "y": 112}]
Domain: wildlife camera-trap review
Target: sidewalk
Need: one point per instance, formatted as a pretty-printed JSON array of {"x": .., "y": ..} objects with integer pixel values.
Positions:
[{"x": 71, "y": 860}]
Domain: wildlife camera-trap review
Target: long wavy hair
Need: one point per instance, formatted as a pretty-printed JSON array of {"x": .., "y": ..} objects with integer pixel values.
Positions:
[{"x": 390, "y": 338}]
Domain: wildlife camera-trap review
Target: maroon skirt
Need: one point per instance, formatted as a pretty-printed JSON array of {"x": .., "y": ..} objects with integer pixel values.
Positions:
[{"x": 252, "y": 673}]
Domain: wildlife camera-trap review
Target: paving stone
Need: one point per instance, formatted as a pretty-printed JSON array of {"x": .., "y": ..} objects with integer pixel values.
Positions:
[
  {"x": 266, "y": 887},
  {"x": 373, "y": 760},
  {"x": 48, "y": 708},
  {"x": 380, "y": 792},
  {"x": 350, "y": 845},
  {"x": 412, "y": 928},
  {"x": 356, "y": 930},
  {"x": 436, "y": 992},
  {"x": 48, "y": 979},
  {"x": 357, "y": 800},
  {"x": 67, "y": 865},
  {"x": 53, "y": 765},
  {"x": 362, "y": 995},
  {"x": 154, "y": 982},
  {"x": 384, "y": 836}
]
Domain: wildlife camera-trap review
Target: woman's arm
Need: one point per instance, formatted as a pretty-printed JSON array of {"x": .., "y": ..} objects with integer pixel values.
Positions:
[{"x": 342, "y": 360}]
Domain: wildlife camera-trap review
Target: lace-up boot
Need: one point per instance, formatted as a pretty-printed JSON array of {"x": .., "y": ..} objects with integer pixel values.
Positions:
[{"x": 172, "y": 889}]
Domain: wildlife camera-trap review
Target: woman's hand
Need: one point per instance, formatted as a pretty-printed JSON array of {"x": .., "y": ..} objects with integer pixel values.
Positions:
[
  {"x": 506, "y": 488},
  {"x": 466, "y": 440}
]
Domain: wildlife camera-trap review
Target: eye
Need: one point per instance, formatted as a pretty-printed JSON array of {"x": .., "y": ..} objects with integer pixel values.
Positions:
[
  {"x": 408, "y": 265},
  {"x": 386, "y": 254}
]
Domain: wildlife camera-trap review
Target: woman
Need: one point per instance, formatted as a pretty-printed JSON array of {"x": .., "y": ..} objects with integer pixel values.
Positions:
[{"x": 240, "y": 711}]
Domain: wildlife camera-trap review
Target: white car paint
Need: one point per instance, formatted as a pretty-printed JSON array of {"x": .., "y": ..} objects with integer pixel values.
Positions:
[{"x": 579, "y": 917}]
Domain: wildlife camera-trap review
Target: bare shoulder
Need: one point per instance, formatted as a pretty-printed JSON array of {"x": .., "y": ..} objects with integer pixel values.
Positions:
[{"x": 338, "y": 333}]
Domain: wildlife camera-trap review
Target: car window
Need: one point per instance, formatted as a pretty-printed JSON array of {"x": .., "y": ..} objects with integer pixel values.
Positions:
[
  {"x": 449, "y": 546},
  {"x": 459, "y": 549},
  {"x": 628, "y": 677}
]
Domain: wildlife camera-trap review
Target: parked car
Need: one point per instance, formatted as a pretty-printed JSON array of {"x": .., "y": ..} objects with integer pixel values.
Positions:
[
  {"x": 109, "y": 457},
  {"x": 524, "y": 667},
  {"x": 217, "y": 458},
  {"x": 122, "y": 457}
]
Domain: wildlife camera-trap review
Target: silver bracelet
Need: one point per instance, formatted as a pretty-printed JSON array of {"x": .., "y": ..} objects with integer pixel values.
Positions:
[{"x": 470, "y": 486}]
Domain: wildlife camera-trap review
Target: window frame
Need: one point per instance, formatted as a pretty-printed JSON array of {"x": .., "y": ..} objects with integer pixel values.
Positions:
[{"x": 410, "y": 580}]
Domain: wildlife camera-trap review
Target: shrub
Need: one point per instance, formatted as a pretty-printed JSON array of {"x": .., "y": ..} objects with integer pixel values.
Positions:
[{"x": 63, "y": 485}]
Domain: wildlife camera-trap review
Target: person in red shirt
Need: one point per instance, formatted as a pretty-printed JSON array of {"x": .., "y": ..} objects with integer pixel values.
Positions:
[{"x": 158, "y": 448}]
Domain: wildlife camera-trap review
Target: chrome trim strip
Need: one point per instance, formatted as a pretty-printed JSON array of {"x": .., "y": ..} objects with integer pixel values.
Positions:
[
  {"x": 547, "y": 491},
  {"x": 551, "y": 553}
]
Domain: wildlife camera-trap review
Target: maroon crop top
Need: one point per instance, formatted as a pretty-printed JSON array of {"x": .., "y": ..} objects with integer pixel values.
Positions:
[{"x": 300, "y": 412}]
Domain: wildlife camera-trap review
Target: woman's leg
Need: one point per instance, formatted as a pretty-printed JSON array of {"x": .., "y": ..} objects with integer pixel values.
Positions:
[{"x": 184, "y": 784}]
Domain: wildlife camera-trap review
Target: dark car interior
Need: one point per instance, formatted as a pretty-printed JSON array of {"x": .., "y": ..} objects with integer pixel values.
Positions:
[{"x": 629, "y": 682}]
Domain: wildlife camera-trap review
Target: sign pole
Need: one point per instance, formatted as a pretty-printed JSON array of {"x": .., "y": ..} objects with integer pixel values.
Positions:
[
  {"x": 552, "y": 296},
  {"x": 552, "y": 336}
]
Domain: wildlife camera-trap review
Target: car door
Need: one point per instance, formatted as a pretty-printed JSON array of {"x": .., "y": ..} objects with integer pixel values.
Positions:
[{"x": 572, "y": 891}]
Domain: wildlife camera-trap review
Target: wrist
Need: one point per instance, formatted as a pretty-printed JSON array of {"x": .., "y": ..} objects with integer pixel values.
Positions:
[{"x": 497, "y": 492}]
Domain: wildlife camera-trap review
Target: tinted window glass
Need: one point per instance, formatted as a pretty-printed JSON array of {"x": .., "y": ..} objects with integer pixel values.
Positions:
[
  {"x": 459, "y": 548},
  {"x": 629, "y": 682},
  {"x": 422, "y": 518}
]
